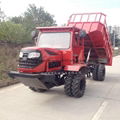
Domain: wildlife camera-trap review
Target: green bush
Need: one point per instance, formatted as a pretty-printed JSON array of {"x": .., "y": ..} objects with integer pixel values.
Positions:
[{"x": 13, "y": 33}]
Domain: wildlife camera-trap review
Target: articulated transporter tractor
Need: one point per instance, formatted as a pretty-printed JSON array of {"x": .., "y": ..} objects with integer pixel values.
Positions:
[{"x": 67, "y": 55}]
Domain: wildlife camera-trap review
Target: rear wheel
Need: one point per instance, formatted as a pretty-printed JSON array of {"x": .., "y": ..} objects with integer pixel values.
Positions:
[
  {"x": 37, "y": 89},
  {"x": 99, "y": 72}
]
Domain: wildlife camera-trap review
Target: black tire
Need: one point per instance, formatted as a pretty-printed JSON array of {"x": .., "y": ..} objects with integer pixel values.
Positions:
[
  {"x": 37, "y": 89},
  {"x": 99, "y": 72},
  {"x": 95, "y": 72},
  {"x": 68, "y": 86},
  {"x": 78, "y": 86}
]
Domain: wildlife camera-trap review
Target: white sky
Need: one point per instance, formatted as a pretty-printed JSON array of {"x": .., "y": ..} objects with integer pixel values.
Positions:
[{"x": 62, "y": 9}]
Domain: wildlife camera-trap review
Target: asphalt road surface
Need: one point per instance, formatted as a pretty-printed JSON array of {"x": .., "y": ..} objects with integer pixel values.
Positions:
[{"x": 100, "y": 102}]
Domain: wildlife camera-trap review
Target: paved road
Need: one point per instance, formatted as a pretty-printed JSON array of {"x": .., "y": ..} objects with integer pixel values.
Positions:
[{"x": 100, "y": 102}]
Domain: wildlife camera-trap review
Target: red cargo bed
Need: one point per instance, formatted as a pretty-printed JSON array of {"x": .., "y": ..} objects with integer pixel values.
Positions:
[{"x": 99, "y": 42}]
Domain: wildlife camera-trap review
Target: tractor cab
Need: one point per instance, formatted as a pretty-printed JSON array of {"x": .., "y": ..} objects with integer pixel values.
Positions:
[{"x": 69, "y": 40}]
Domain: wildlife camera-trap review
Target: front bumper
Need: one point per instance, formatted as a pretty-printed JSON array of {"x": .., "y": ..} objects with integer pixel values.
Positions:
[{"x": 32, "y": 80}]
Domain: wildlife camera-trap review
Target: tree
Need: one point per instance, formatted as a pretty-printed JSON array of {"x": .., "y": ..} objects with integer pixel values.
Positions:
[
  {"x": 34, "y": 17},
  {"x": 17, "y": 20}
]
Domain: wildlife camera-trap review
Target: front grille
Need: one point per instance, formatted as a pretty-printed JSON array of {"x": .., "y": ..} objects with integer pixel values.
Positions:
[{"x": 26, "y": 62}]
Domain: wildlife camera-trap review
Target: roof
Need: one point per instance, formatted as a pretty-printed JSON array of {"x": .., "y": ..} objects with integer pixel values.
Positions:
[{"x": 66, "y": 28}]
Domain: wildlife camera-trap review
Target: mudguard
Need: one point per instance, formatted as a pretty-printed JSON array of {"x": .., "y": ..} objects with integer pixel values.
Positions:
[{"x": 76, "y": 67}]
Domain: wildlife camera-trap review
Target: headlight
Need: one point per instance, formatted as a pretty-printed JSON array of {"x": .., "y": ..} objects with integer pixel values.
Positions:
[
  {"x": 33, "y": 55},
  {"x": 21, "y": 54}
]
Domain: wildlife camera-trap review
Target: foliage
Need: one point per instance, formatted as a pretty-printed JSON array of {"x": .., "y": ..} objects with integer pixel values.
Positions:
[
  {"x": 17, "y": 20},
  {"x": 12, "y": 33},
  {"x": 35, "y": 17}
]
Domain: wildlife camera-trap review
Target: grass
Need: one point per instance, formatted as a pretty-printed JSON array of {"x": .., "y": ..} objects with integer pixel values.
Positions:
[{"x": 8, "y": 62}]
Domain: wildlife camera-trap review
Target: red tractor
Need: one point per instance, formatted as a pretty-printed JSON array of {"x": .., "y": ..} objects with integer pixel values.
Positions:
[{"x": 67, "y": 55}]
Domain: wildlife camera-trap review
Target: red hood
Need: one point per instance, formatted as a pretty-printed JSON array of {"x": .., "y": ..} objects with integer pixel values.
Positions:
[{"x": 41, "y": 49}]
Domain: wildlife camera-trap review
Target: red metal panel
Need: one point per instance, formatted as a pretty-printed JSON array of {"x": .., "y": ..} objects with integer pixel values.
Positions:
[{"x": 76, "y": 67}]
